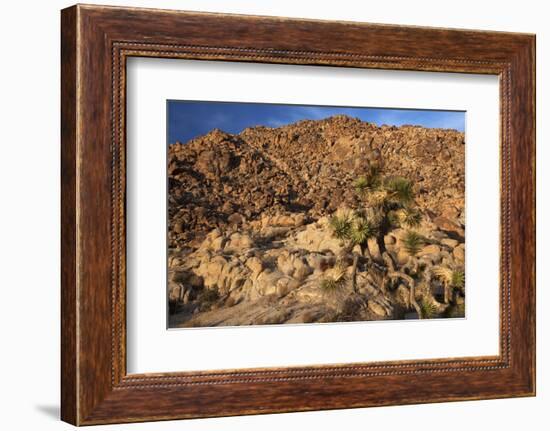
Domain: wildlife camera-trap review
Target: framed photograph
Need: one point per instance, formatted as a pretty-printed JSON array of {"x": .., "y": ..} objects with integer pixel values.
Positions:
[{"x": 265, "y": 215}]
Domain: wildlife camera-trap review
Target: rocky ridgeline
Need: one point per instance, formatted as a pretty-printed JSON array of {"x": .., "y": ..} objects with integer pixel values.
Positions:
[{"x": 249, "y": 235}]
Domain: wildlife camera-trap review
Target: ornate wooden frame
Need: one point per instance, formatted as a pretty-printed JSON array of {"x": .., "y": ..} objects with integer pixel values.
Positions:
[{"x": 95, "y": 42}]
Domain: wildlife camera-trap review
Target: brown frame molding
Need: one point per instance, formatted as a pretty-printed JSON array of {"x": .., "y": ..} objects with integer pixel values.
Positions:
[{"x": 95, "y": 43}]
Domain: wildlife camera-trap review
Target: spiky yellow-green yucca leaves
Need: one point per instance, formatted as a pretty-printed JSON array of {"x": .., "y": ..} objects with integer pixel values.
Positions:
[
  {"x": 362, "y": 230},
  {"x": 428, "y": 309},
  {"x": 400, "y": 190},
  {"x": 443, "y": 273},
  {"x": 362, "y": 185},
  {"x": 409, "y": 217},
  {"x": 348, "y": 225},
  {"x": 334, "y": 281},
  {"x": 380, "y": 192},
  {"x": 451, "y": 277},
  {"x": 412, "y": 218},
  {"x": 341, "y": 224},
  {"x": 377, "y": 198},
  {"x": 368, "y": 182},
  {"x": 413, "y": 242},
  {"x": 458, "y": 279}
]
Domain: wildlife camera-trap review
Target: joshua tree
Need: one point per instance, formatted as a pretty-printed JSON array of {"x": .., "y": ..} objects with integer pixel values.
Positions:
[
  {"x": 451, "y": 279},
  {"x": 354, "y": 229},
  {"x": 395, "y": 274},
  {"x": 389, "y": 202}
]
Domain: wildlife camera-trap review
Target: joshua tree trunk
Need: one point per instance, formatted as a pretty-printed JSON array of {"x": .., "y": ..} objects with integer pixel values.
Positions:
[
  {"x": 381, "y": 244},
  {"x": 347, "y": 250},
  {"x": 354, "y": 273},
  {"x": 446, "y": 293},
  {"x": 181, "y": 293},
  {"x": 388, "y": 261},
  {"x": 410, "y": 282},
  {"x": 412, "y": 300},
  {"x": 390, "y": 267}
]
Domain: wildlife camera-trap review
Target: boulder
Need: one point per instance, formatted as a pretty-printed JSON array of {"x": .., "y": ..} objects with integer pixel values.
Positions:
[
  {"x": 430, "y": 249},
  {"x": 266, "y": 283},
  {"x": 175, "y": 291},
  {"x": 284, "y": 263},
  {"x": 283, "y": 220},
  {"x": 376, "y": 308},
  {"x": 213, "y": 163},
  {"x": 373, "y": 248},
  {"x": 195, "y": 281},
  {"x": 402, "y": 257},
  {"x": 218, "y": 243},
  {"x": 449, "y": 242},
  {"x": 210, "y": 270},
  {"x": 320, "y": 262},
  {"x": 459, "y": 253},
  {"x": 239, "y": 242},
  {"x": 389, "y": 240},
  {"x": 449, "y": 211},
  {"x": 447, "y": 225},
  {"x": 318, "y": 237},
  {"x": 285, "y": 285},
  {"x": 235, "y": 219},
  {"x": 255, "y": 265},
  {"x": 311, "y": 293},
  {"x": 301, "y": 268},
  {"x": 270, "y": 232}
]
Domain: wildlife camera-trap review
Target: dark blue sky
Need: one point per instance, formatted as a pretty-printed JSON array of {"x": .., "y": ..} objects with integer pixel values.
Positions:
[{"x": 187, "y": 120}]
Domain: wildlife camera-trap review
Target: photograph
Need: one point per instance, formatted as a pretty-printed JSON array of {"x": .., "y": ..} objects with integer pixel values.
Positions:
[{"x": 307, "y": 214}]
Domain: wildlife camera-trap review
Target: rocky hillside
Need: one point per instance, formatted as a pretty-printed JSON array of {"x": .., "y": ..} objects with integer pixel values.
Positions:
[
  {"x": 305, "y": 167},
  {"x": 250, "y": 238}
]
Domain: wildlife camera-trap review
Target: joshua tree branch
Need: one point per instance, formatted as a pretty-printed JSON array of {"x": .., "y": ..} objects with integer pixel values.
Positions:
[
  {"x": 446, "y": 293},
  {"x": 388, "y": 261},
  {"x": 381, "y": 244},
  {"x": 410, "y": 282},
  {"x": 398, "y": 274}
]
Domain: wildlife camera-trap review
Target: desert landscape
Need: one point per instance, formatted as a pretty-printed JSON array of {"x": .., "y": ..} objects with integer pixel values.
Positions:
[{"x": 331, "y": 220}]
